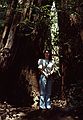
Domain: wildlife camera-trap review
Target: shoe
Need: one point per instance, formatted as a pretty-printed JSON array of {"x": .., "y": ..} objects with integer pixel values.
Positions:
[{"x": 48, "y": 107}]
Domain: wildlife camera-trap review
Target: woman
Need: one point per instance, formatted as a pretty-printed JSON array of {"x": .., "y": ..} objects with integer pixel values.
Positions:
[{"x": 45, "y": 82}]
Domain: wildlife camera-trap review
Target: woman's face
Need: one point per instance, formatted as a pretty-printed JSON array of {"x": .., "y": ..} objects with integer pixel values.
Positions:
[{"x": 47, "y": 54}]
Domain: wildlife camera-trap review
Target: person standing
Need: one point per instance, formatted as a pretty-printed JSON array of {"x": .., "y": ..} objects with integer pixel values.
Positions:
[{"x": 46, "y": 68}]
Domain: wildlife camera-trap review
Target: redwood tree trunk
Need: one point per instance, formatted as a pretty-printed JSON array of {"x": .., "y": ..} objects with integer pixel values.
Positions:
[{"x": 21, "y": 48}]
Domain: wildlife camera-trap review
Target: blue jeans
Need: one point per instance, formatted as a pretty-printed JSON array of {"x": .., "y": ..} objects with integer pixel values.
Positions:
[{"x": 45, "y": 92}]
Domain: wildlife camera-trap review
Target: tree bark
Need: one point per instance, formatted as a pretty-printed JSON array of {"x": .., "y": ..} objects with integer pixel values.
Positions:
[
  {"x": 8, "y": 21},
  {"x": 14, "y": 25}
]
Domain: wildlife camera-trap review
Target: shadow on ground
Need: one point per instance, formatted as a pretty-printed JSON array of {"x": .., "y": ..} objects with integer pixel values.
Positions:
[{"x": 8, "y": 112}]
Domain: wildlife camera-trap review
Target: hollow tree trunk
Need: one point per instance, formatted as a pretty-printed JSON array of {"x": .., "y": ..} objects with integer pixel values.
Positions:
[{"x": 21, "y": 51}]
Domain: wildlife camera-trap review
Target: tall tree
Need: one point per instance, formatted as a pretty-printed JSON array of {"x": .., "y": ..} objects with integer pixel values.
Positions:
[
  {"x": 69, "y": 18},
  {"x": 22, "y": 43}
]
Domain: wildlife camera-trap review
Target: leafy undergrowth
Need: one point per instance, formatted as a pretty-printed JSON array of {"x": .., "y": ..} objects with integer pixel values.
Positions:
[{"x": 8, "y": 112}]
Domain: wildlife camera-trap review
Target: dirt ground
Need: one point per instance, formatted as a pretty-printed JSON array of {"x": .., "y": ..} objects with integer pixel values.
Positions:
[{"x": 8, "y": 112}]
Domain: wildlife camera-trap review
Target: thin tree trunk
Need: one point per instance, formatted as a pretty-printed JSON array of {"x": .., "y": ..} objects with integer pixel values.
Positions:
[
  {"x": 9, "y": 17},
  {"x": 64, "y": 27},
  {"x": 10, "y": 39}
]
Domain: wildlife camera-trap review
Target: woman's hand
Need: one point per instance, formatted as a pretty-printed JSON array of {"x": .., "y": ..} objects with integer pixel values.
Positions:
[{"x": 46, "y": 75}]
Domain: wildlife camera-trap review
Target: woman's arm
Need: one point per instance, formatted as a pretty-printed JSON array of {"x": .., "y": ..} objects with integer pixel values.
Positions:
[{"x": 43, "y": 72}]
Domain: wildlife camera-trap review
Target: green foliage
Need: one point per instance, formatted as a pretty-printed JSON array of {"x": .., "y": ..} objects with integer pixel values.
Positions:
[{"x": 3, "y": 2}]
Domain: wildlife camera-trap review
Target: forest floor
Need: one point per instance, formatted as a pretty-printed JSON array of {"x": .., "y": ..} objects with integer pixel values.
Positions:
[{"x": 57, "y": 112}]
